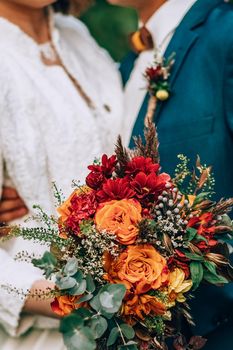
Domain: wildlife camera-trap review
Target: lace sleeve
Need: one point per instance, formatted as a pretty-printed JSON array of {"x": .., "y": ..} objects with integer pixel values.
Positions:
[
  {"x": 20, "y": 276},
  {"x": 15, "y": 279}
]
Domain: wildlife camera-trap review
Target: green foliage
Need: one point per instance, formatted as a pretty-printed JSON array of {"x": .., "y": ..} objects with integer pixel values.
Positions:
[
  {"x": 89, "y": 325},
  {"x": 190, "y": 234},
  {"x": 109, "y": 299},
  {"x": 110, "y": 26},
  {"x": 47, "y": 263},
  {"x": 195, "y": 257},
  {"x": 214, "y": 278},
  {"x": 196, "y": 270},
  {"x": 155, "y": 324},
  {"x": 131, "y": 345},
  {"x": 80, "y": 338},
  {"x": 114, "y": 334}
]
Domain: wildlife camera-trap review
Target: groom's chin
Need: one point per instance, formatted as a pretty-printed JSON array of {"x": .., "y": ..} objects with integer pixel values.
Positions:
[{"x": 125, "y": 3}]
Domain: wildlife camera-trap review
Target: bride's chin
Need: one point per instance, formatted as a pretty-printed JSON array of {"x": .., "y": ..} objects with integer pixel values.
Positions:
[{"x": 37, "y": 4}]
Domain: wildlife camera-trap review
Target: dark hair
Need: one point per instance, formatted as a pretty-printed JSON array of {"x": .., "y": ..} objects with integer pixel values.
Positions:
[{"x": 71, "y": 6}]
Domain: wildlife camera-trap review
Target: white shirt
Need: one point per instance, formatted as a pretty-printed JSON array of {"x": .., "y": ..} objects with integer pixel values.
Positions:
[
  {"x": 48, "y": 133},
  {"x": 162, "y": 26}
]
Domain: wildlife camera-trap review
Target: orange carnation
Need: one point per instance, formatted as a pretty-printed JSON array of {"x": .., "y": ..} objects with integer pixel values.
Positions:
[
  {"x": 64, "y": 305},
  {"x": 140, "y": 306},
  {"x": 120, "y": 217},
  {"x": 140, "y": 268},
  {"x": 65, "y": 209}
]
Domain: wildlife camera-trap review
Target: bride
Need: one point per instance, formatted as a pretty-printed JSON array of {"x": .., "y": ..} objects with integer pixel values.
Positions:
[{"x": 60, "y": 107}]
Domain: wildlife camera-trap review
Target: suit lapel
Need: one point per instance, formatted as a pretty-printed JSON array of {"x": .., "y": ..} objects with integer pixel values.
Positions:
[{"x": 185, "y": 37}]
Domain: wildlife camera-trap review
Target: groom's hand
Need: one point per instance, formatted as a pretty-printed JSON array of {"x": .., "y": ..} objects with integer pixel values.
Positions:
[{"x": 12, "y": 206}]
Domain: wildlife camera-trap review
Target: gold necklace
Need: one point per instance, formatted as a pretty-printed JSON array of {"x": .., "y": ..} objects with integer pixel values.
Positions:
[{"x": 50, "y": 57}]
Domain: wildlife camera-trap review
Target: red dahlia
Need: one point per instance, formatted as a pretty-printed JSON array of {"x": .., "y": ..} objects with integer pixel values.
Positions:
[
  {"x": 151, "y": 184},
  {"x": 141, "y": 164},
  {"x": 115, "y": 189}
]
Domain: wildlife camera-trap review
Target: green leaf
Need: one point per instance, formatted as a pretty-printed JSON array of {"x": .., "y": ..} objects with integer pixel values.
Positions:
[
  {"x": 79, "y": 288},
  {"x": 90, "y": 284},
  {"x": 86, "y": 297},
  {"x": 200, "y": 197},
  {"x": 226, "y": 220},
  {"x": 129, "y": 346},
  {"x": 98, "y": 326},
  {"x": 71, "y": 267},
  {"x": 78, "y": 276},
  {"x": 127, "y": 330},
  {"x": 190, "y": 234},
  {"x": 109, "y": 299},
  {"x": 71, "y": 322},
  {"x": 196, "y": 270},
  {"x": 211, "y": 267},
  {"x": 114, "y": 334},
  {"x": 80, "y": 339},
  {"x": 47, "y": 263},
  {"x": 83, "y": 312},
  {"x": 200, "y": 238},
  {"x": 65, "y": 282},
  {"x": 214, "y": 279},
  {"x": 195, "y": 257}
]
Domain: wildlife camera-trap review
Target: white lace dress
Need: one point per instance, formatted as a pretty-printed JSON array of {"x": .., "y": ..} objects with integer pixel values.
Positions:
[{"x": 48, "y": 133}]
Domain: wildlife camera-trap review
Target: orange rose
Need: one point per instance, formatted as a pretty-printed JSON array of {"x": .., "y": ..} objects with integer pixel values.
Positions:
[
  {"x": 140, "y": 306},
  {"x": 65, "y": 304},
  {"x": 120, "y": 218},
  {"x": 140, "y": 268}
]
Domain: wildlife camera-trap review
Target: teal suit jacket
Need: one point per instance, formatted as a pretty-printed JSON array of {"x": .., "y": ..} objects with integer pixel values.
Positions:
[{"x": 198, "y": 119}]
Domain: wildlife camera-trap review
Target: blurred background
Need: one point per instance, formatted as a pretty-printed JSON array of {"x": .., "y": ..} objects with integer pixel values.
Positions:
[{"x": 111, "y": 25}]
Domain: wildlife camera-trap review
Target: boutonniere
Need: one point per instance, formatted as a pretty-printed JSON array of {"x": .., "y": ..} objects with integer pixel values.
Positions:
[{"x": 158, "y": 85}]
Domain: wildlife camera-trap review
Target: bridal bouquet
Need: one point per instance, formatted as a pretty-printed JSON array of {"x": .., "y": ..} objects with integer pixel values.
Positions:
[{"x": 129, "y": 249}]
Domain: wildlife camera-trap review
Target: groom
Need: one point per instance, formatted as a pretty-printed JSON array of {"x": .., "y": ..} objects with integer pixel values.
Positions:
[{"x": 198, "y": 116}]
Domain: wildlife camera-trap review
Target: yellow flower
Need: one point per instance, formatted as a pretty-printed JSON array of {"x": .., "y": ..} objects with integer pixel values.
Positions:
[
  {"x": 162, "y": 95},
  {"x": 191, "y": 198},
  {"x": 178, "y": 285}
]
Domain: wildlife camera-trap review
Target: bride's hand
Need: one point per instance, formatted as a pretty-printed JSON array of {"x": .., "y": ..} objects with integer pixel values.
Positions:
[{"x": 40, "y": 306}]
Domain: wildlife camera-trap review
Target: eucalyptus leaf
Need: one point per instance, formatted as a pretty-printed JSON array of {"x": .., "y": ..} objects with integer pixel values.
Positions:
[
  {"x": 90, "y": 284},
  {"x": 114, "y": 334},
  {"x": 71, "y": 267},
  {"x": 196, "y": 270},
  {"x": 83, "y": 312},
  {"x": 86, "y": 297},
  {"x": 79, "y": 288},
  {"x": 65, "y": 282},
  {"x": 109, "y": 299},
  {"x": 80, "y": 339},
  {"x": 78, "y": 276},
  {"x": 98, "y": 326},
  {"x": 71, "y": 322},
  {"x": 127, "y": 330},
  {"x": 129, "y": 346}
]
